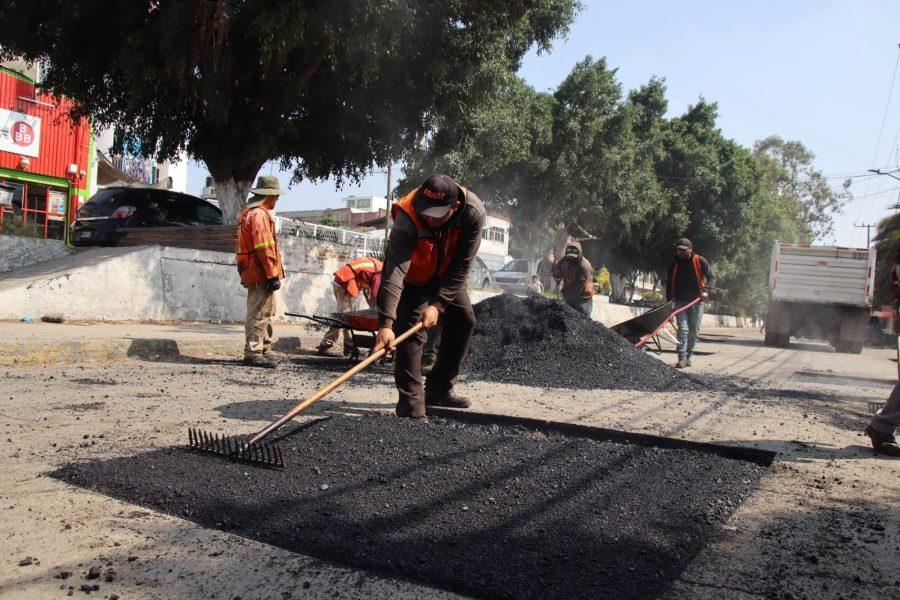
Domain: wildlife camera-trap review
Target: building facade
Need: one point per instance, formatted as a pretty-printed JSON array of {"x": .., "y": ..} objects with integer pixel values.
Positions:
[
  {"x": 45, "y": 157},
  {"x": 494, "y": 249}
]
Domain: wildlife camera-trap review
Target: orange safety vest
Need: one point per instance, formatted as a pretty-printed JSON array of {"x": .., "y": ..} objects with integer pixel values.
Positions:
[
  {"x": 434, "y": 249},
  {"x": 359, "y": 272},
  {"x": 258, "y": 258},
  {"x": 701, "y": 281}
]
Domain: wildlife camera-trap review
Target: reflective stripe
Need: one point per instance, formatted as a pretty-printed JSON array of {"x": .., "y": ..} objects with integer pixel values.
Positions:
[{"x": 263, "y": 244}]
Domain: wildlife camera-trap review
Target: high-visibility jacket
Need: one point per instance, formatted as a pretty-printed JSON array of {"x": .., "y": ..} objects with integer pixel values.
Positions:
[
  {"x": 698, "y": 270},
  {"x": 258, "y": 258},
  {"x": 434, "y": 249},
  {"x": 360, "y": 274}
]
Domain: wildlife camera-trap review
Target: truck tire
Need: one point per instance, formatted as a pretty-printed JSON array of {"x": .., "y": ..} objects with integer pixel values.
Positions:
[
  {"x": 777, "y": 340},
  {"x": 848, "y": 346}
]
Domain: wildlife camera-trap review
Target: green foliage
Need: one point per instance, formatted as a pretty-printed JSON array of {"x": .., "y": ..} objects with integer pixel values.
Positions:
[
  {"x": 325, "y": 87},
  {"x": 887, "y": 243},
  {"x": 329, "y": 221},
  {"x": 616, "y": 173}
]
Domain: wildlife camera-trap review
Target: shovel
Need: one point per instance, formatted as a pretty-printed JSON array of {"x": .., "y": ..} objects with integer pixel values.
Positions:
[{"x": 255, "y": 450}]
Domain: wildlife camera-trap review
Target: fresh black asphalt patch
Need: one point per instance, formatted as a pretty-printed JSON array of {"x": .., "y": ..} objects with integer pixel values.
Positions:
[{"x": 482, "y": 510}]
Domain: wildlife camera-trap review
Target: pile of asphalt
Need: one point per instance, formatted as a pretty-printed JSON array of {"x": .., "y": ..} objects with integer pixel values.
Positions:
[
  {"x": 486, "y": 511},
  {"x": 541, "y": 342}
]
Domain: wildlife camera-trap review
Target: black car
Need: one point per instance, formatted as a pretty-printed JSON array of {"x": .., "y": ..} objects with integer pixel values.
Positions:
[{"x": 99, "y": 220}]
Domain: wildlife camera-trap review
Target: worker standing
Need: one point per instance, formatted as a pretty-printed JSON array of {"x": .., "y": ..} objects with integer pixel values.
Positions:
[
  {"x": 436, "y": 234},
  {"x": 360, "y": 275},
  {"x": 545, "y": 270},
  {"x": 689, "y": 278},
  {"x": 259, "y": 264},
  {"x": 576, "y": 276}
]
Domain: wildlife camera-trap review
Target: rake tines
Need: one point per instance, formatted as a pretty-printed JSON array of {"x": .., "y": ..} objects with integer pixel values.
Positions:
[{"x": 260, "y": 453}]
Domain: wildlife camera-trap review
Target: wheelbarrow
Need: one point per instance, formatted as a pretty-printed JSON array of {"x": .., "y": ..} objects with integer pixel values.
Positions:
[
  {"x": 362, "y": 325},
  {"x": 646, "y": 329}
]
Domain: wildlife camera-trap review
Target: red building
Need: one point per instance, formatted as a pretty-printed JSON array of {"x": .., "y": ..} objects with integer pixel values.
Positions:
[{"x": 44, "y": 158}]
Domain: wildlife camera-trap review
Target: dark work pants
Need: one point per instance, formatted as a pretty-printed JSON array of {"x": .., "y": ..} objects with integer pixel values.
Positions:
[
  {"x": 429, "y": 354},
  {"x": 458, "y": 322}
]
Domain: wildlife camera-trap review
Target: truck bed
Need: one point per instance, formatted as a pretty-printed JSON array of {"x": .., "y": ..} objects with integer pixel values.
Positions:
[{"x": 822, "y": 274}]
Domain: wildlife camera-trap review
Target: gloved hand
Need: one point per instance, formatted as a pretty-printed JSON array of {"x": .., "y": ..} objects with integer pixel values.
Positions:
[{"x": 273, "y": 284}]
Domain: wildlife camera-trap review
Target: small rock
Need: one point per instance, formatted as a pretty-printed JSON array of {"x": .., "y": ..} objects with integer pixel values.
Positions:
[
  {"x": 64, "y": 574},
  {"x": 86, "y": 588},
  {"x": 323, "y": 487},
  {"x": 27, "y": 561},
  {"x": 93, "y": 573}
]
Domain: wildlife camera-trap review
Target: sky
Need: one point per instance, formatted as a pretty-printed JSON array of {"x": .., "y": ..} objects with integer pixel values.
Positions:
[{"x": 820, "y": 72}]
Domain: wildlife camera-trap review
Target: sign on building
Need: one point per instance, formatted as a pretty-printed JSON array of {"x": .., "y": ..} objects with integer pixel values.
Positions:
[{"x": 19, "y": 133}]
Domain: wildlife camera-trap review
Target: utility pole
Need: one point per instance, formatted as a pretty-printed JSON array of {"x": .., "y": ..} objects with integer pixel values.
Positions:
[
  {"x": 868, "y": 233},
  {"x": 888, "y": 173}
]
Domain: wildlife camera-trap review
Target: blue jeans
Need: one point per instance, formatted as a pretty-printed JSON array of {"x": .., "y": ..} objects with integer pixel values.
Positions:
[{"x": 688, "y": 326}]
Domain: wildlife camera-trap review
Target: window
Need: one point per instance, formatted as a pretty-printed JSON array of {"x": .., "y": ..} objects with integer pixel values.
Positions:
[
  {"x": 38, "y": 208},
  {"x": 516, "y": 266},
  {"x": 494, "y": 234}
]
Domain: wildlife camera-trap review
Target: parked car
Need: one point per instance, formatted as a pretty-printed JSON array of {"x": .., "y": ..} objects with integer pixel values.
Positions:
[
  {"x": 515, "y": 276},
  {"x": 479, "y": 275},
  {"x": 99, "y": 221}
]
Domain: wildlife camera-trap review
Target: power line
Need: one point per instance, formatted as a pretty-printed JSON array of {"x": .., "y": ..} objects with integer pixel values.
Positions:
[{"x": 887, "y": 106}]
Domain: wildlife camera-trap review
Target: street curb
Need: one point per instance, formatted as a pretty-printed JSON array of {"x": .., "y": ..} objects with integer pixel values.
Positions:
[{"x": 119, "y": 349}]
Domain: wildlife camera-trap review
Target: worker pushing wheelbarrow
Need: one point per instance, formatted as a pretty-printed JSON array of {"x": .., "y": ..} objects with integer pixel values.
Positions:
[
  {"x": 359, "y": 328},
  {"x": 687, "y": 287}
]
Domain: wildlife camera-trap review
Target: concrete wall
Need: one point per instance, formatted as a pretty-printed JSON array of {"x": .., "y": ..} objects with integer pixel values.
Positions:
[
  {"x": 17, "y": 251},
  {"x": 161, "y": 283}
]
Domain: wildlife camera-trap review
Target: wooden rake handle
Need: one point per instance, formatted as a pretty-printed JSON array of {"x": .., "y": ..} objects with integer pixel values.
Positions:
[{"x": 309, "y": 401}]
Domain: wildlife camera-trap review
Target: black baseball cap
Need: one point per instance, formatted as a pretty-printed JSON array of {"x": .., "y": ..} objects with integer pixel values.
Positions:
[
  {"x": 436, "y": 195},
  {"x": 684, "y": 243}
]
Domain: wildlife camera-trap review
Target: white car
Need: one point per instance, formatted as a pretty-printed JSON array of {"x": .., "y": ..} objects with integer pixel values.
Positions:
[{"x": 515, "y": 276}]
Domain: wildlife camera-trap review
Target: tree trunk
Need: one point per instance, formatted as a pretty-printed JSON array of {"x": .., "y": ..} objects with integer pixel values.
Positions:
[
  {"x": 616, "y": 281},
  {"x": 232, "y": 187},
  {"x": 232, "y": 196}
]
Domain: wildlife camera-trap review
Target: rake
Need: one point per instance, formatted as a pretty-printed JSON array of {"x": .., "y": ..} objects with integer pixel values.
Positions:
[{"x": 253, "y": 449}]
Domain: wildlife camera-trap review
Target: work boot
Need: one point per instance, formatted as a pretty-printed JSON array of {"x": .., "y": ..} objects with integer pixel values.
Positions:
[
  {"x": 330, "y": 351},
  {"x": 448, "y": 398},
  {"x": 682, "y": 363},
  {"x": 883, "y": 443},
  {"x": 275, "y": 355},
  {"x": 259, "y": 360},
  {"x": 349, "y": 350}
]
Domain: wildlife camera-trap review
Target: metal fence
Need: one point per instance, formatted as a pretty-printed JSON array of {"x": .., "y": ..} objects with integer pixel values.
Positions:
[{"x": 365, "y": 243}]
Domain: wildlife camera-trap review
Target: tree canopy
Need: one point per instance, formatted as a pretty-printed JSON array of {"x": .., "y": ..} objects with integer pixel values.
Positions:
[
  {"x": 328, "y": 88},
  {"x": 615, "y": 171}
]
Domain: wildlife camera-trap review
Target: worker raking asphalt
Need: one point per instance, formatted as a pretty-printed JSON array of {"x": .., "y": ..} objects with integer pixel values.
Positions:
[
  {"x": 488, "y": 511},
  {"x": 541, "y": 342}
]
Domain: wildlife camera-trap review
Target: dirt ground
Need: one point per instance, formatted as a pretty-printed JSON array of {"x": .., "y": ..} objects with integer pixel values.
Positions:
[{"x": 824, "y": 523}]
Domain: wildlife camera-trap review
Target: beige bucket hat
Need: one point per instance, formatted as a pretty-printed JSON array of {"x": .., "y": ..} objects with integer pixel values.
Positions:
[{"x": 266, "y": 185}]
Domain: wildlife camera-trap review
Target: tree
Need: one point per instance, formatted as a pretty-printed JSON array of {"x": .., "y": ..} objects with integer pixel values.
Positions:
[
  {"x": 887, "y": 242},
  {"x": 792, "y": 177},
  {"x": 500, "y": 151},
  {"x": 327, "y": 88}
]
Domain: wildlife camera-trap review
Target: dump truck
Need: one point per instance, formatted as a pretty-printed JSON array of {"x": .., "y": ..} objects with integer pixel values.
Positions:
[{"x": 820, "y": 292}]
